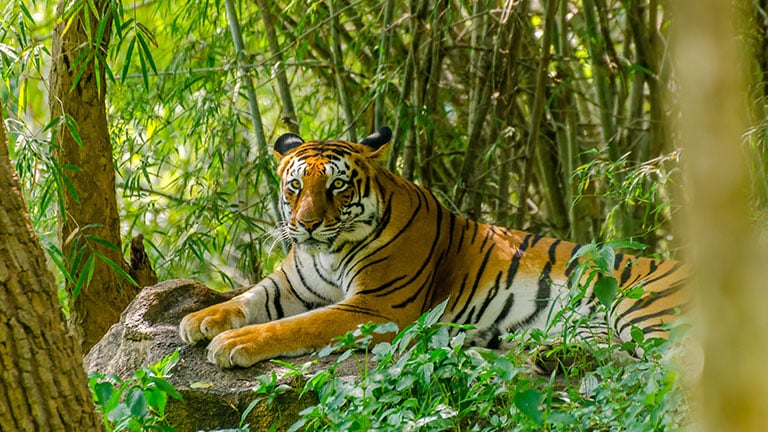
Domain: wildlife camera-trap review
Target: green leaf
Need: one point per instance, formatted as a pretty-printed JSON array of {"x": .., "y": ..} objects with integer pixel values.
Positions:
[
  {"x": 156, "y": 400},
  {"x": 606, "y": 289},
  {"x": 528, "y": 403},
  {"x": 637, "y": 335},
  {"x": 605, "y": 260},
  {"x": 58, "y": 260},
  {"x": 137, "y": 403},
  {"x": 72, "y": 128},
  {"x": 116, "y": 268},
  {"x": 84, "y": 279},
  {"x": 625, "y": 244},
  {"x": 102, "y": 392},
  {"x": 102, "y": 241},
  {"x": 127, "y": 60},
  {"x": 433, "y": 316},
  {"x": 166, "y": 387}
]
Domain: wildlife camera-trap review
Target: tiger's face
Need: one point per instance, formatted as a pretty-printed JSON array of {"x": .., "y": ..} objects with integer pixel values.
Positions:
[{"x": 327, "y": 197}]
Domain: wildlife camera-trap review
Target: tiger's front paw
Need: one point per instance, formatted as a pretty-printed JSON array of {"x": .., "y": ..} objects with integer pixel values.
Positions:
[
  {"x": 211, "y": 321},
  {"x": 239, "y": 347}
]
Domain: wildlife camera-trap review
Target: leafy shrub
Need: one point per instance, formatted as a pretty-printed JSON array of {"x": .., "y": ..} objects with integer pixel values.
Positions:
[
  {"x": 138, "y": 403},
  {"x": 428, "y": 379}
]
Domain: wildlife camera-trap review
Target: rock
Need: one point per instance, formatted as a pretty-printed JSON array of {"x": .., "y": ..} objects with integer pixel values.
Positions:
[{"x": 214, "y": 398}]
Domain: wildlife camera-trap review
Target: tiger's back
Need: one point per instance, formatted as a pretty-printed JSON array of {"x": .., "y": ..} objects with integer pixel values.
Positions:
[{"x": 371, "y": 246}]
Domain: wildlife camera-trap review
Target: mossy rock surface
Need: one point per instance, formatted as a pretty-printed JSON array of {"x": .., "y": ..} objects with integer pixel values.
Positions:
[{"x": 214, "y": 398}]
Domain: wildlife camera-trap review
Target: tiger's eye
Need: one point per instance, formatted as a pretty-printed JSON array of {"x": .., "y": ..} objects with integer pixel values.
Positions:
[
  {"x": 294, "y": 184},
  {"x": 338, "y": 184}
]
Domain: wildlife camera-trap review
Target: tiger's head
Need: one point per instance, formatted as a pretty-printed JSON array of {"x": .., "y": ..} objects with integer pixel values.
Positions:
[{"x": 327, "y": 197}]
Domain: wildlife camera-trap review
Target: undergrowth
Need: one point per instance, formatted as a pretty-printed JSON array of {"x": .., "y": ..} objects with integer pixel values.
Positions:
[
  {"x": 429, "y": 379},
  {"x": 137, "y": 403}
]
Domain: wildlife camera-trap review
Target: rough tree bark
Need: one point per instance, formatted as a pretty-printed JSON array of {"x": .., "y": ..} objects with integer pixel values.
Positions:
[
  {"x": 42, "y": 381},
  {"x": 80, "y": 95}
]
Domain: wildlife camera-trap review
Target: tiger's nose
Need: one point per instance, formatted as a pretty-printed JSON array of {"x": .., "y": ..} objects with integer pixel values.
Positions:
[{"x": 310, "y": 224}]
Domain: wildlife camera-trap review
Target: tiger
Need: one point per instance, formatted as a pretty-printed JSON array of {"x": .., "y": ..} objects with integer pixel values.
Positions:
[{"x": 367, "y": 246}]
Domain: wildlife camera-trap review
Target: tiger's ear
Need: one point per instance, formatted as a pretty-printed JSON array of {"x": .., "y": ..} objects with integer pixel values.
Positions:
[
  {"x": 377, "y": 141},
  {"x": 285, "y": 143}
]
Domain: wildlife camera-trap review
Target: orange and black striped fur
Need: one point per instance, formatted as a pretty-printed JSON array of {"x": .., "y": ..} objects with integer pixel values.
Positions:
[{"x": 370, "y": 246}]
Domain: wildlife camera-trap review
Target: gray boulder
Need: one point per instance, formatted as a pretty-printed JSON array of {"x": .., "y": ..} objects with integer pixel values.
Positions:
[{"x": 214, "y": 398}]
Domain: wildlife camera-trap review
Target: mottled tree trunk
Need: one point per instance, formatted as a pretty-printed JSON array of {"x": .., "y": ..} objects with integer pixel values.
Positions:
[
  {"x": 42, "y": 380},
  {"x": 94, "y": 210},
  {"x": 730, "y": 260}
]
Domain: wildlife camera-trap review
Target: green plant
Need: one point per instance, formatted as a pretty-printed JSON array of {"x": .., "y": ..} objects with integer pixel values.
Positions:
[
  {"x": 427, "y": 378},
  {"x": 138, "y": 403}
]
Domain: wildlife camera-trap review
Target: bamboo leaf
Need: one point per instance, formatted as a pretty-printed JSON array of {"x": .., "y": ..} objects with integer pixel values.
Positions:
[
  {"x": 116, "y": 268},
  {"x": 84, "y": 279},
  {"x": 127, "y": 60},
  {"x": 72, "y": 128}
]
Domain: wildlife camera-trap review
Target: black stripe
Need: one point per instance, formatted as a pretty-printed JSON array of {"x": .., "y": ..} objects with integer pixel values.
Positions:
[
  {"x": 460, "y": 293},
  {"x": 342, "y": 307},
  {"x": 488, "y": 235},
  {"x": 654, "y": 266},
  {"x": 494, "y": 342},
  {"x": 451, "y": 228},
  {"x": 553, "y": 250},
  {"x": 417, "y": 292},
  {"x": 317, "y": 269},
  {"x": 545, "y": 287},
  {"x": 308, "y": 305},
  {"x": 492, "y": 293},
  {"x": 478, "y": 276},
  {"x": 427, "y": 261},
  {"x": 266, "y": 305},
  {"x": 462, "y": 235},
  {"x": 625, "y": 274},
  {"x": 515, "y": 263},
  {"x": 572, "y": 262},
  {"x": 303, "y": 280},
  {"x": 617, "y": 260},
  {"x": 635, "y": 321},
  {"x": 474, "y": 231},
  {"x": 663, "y": 275},
  {"x": 382, "y": 286},
  {"x": 647, "y": 301},
  {"x": 278, "y": 307}
]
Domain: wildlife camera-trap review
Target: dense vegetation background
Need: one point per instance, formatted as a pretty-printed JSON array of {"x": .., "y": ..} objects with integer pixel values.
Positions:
[
  {"x": 558, "y": 116},
  {"x": 547, "y": 116}
]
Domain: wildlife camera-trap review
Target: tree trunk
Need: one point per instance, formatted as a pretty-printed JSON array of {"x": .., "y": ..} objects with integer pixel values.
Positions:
[
  {"x": 43, "y": 385},
  {"x": 92, "y": 212},
  {"x": 726, "y": 249}
]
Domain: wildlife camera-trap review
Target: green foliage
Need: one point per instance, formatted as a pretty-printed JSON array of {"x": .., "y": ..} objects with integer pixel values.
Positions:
[
  {"x": 428, "y": 379},
  {"x": 138, "y": 403},
  {"x": 638, "y": 188}
]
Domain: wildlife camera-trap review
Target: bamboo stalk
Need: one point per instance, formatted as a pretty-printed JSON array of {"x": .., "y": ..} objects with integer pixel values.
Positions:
[
  {"x": 253, "y": 104},
  {"x": 537, "y": 110},
  {"x": 597, "y": 53},
  {"x": 407, "y": 144},
  {"x": 431, "y": 70},
  {"x": 384, "y": 44},
  {"x": 289, "y": 112},
  {"x": 466, "y": 181},
  {"x": 338, "y": 67}
]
